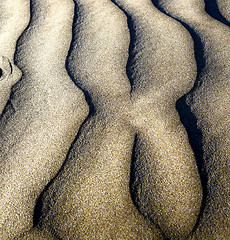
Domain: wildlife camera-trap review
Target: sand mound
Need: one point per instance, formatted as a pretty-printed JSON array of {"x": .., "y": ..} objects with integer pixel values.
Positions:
[{"x": 117, "y": 124}]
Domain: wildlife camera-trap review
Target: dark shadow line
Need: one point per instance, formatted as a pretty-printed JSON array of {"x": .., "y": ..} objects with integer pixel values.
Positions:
[
  {"x": 132, "y": 32},
  {"x": 187, "y": 117},
  {"x": 39, "y": 203},
  {"x": 67, "y": 63},
  {"x": 212, "y": 9},
  {"x": 37, "y": 217}
]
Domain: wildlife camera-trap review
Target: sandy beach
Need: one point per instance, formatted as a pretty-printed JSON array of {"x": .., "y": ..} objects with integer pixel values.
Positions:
[{"x": 115, "y": 119}]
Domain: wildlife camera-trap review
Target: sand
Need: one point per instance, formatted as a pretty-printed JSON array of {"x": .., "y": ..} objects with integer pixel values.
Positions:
[
  {"x": 209, "y": 102},
  {"x": 14, "y": 18},
  {"x": 115, "y": 120},
  {"x": 224, "y": 7},
  {"x": 161, "y": 67},
  {"x": 91, "y": 197},
  {"x": 42, "y": 118}
]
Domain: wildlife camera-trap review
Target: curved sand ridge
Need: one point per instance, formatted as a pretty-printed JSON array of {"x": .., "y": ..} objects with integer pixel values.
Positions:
[
  {"x": 90, "y": 198},
  {"x": 210, "y": 103},
  {"x": 42, "y": 117},
  {"x": 14, "y": 18},
  {"x": 92, "y": 192},
  {"x": 162, "y": 69}
]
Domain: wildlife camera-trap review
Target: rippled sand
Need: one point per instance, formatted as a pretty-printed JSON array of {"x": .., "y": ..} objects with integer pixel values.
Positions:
[{"x": 115, "y": 119}]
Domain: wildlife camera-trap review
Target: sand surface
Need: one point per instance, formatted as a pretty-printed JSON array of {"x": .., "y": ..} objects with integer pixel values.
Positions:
[{"x": 115, "y": 119}]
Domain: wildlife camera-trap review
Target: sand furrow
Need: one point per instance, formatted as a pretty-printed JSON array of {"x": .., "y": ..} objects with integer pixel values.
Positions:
[
  {"x": 162, "y": 68},
  {"x": 131, "y": 171},
  {"x": 90, "y": 198},
  {"x": 210, "y": 101},
  {"x": 42, "y": 118},
  {"x": 14, "y": 17}
]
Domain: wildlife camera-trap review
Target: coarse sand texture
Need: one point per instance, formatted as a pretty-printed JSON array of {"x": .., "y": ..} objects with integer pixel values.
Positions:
[
  {"x": 162, "y": 69},
  {"x": 16, "y": 14},
  {"x": 42, "y": 117},
  {"x": 90, "y": 198},
  {"x": 210, "y": 102},
  {"x": 114, "y": 120},
  {"x": 224, "y": 7}
]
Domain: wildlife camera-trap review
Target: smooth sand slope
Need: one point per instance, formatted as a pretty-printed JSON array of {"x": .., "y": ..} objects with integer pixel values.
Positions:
[
  {"x": 42, "y": 117},
  {"x": 14, "y": 17},
  {"x": 162, "y": 68},
  {"x": 90, "y": 198},
  {"x": 210, "y": 103}
]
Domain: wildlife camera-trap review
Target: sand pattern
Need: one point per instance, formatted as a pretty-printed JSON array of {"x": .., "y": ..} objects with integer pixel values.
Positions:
[
  {"x": 224, "y": 7},
  {"x": 115, "y": 119},
  {"x": 209, "y": 102},
  {"x": 42, "y": 117}
]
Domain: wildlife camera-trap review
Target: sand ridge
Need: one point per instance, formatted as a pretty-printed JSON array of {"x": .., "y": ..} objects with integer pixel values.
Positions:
[
  {"x": 83, "y": 46},
  {"x": 162, "y": 68},
  {"x": 129, "y": 170},
  {"x": 11, "y": 14},
  {"x": 209, "y": 102},
  {"x": 42, "y": 117},
  {"x": 92, "y": 198}
]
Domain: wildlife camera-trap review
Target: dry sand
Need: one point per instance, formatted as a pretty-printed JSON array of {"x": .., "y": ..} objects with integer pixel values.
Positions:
[
  {"x": 133, "y": 171},
  {"x": 14, "y": 17},
  {"x": 210, "y": 101},
  {"x": 224, "y": 7},
  {"x": 162, "y": 69},
  {"x": 42, "y": 118},
  {"x": 90, "y": 198}
]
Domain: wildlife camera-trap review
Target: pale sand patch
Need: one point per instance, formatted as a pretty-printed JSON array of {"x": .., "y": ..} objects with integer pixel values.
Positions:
[
  {"x": 42, "y": 117},
  {"x": 210, "y": 103}
]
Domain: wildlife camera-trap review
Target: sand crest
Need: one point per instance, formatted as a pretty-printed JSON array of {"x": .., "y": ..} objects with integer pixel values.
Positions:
[
  {"x": 209, "y": 101},
  {"x": 90, "y": 198},
  {"x": 42, "y": 117}
]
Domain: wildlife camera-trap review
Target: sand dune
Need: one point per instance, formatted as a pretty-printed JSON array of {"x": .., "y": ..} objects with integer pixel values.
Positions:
[{"x": 118, "y": 124}]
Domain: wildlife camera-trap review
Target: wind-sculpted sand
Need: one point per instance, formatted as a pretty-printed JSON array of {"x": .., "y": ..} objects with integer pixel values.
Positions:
[
  {"x": 210, "y": 102},
  {"x": 42, "y": 116},
  {"x": 118, "y": 124},
  {"x": 224, "y": 7},
  {"x": 11, "y": 14},
  {"x": 91, "y": 197}
]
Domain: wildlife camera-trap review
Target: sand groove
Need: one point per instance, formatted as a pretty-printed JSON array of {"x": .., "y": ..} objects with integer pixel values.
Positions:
[{"x": 130, "y": 172}]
